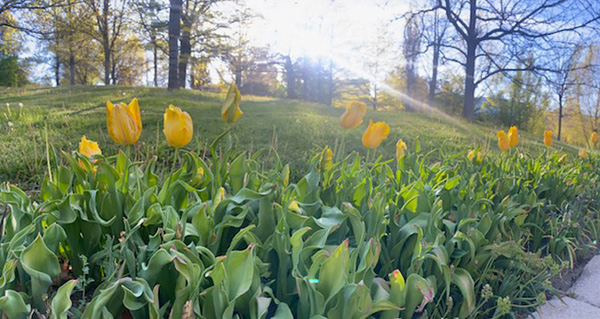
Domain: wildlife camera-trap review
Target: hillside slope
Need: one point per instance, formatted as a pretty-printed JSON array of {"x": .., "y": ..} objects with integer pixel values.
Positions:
[{"x": 294, "y": 128}]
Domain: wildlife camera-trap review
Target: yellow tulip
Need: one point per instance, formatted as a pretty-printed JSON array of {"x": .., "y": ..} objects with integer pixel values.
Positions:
[
  {"x": 479, "y": 157},
  {"x": 88, "y": 148},
  {"x": 471, "y": 155},
  {"x": 400, "y": 147},
  {"x": 513, "y": 136},
  {"x": 177, "y": 127},
  {"x": 124, "y": 122},
  {"x": 562, "y": 158},
  {"x": 197, "y": 179},
  {"x": 375, "y": 134},
  {"x": 583, "y": 154},
  {"x": 326, "y": 159},
  {"x": 503, "y": 142},
  {"x": 548, "y": 138},
  {"x": 594, "y": 138},
  {"x": 230, "y": 111},
  {"x": 293, "y": 206},
  {"x": 354, "y": 114}
]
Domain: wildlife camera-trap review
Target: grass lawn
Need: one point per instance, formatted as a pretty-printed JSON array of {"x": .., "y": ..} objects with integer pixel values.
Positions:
[{"x": 295, "y": 129}]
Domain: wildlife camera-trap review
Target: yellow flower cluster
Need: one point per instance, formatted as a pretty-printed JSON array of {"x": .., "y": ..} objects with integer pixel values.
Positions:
[{"x": 124, "y": 123}]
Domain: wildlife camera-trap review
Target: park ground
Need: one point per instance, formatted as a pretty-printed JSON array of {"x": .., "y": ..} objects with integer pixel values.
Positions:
[{"x": 294, "y": 129}]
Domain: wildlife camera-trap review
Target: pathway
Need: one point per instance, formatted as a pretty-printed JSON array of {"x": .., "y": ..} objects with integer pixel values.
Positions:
[{"x": 583, "y": 301}]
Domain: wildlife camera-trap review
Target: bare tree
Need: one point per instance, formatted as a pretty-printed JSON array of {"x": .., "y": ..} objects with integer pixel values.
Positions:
[
  {"x": 494, "y": 36},
  {"x": 110, "y": 22}
]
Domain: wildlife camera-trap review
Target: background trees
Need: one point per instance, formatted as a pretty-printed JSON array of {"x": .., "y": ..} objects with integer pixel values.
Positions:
[{"x": 482, "y": 59}]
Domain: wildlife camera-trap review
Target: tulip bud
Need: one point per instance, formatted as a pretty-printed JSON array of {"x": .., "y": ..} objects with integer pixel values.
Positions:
[
  {"x": 548, "y": 138},
  {"x": 471, "y": 155},
  {"x": 400, "y": 147},
  {"x": 326, "y": 159},
  {"x": 230, "y": 111},
  {"x": 88, "y": 148},
  {"x": 124, "y": 122},
  {"x": 594, "y": 138},
  {"x": 503, "y": 141},
  {"x": 513, "y": 136},
  {"x": 177, "y": 127}
]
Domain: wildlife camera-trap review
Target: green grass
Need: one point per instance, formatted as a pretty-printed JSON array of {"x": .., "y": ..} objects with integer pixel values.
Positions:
[{"x": 295, "y": 129}]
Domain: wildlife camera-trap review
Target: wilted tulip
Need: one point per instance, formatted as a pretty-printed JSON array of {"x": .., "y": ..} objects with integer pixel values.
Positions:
[
  {"x": 594, "y": 138},
  {"x": 177, "y": 127},
  {"x": 230, "y": 111},
  {"x": 326, "y": 159},
  {"x": 354, "y": 114},
  {"x": 548, "y": 138},
  {"x": 124, "y": 122},
  {"x": 375, "y": 134},
  {"x": 583, "y": 154},
  {"x": 513, "y": 136},
  {"x": 503, "y": 142},
  {"x": 400, "y": 147}
]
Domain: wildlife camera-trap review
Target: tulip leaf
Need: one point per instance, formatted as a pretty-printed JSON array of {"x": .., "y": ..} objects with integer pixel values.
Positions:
[
  {"x": 61, "y": 303},
  {"x": 463, "y": 280},
  {"x": 42, "y": 265},
  {"x": 13, "y": 305}
]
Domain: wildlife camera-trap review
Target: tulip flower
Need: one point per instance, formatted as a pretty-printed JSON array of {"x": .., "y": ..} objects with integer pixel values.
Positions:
[
  {"x": 293, "y": 206},
  {"x": 513, "y": 136},
  {"x": 326, "y": 159},
  {"x": 400, "y": 147},
  {"x": 471, "y": 155},
  {"x": 375, "y": 134},
  {"x": 230, "y": 111},
  {"x": 503, "y": 142},
  {"x": 124, "y": 122},
  {"x": 354, "y": 114},
  {"x": 177, "y": 127},
  {"x": 594, "y": 138},
  {"x": 88, "y": 148},
  {"x": 583, "y": 154},
  {"x": 548, "y": 138},
  {"x": 197, "y": 179},
  {"x": 562, "y": 158}
]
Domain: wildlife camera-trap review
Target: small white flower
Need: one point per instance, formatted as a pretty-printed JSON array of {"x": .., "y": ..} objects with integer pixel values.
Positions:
[
  {"x": 21, "y": 105},
  {"x": 298, "y": 121},
  {"x": 10, "y": 124}
]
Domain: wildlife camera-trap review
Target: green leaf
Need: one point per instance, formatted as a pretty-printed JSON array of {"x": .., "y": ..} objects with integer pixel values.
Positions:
[
  {"x": 13, "y": 305},
  {"x": 333, "y": 273},
  {"x": 61, "y": 303},
  {"x": 42, "y": 265},
  {"x": 463, "y": 280}
]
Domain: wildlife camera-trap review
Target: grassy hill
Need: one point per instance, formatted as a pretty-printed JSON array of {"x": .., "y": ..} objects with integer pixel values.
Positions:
[{"x": 295, "y": 129}]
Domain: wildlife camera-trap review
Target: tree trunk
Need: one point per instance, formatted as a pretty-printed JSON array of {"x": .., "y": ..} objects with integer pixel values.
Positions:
[
  {"x": 72, "y": 68},
  {"x": 468, "y": 111},
  {"x": 238, "y": 77},
  {"x": 290, "y": 78},
  {"x": 560, "y": 115},
  {"x": 174, "y": 33},
  {"x": 57, "y": 70},
  {"x": 184, "y": 55},
  {"x": 106, "y": 42},
  {"x": 155, "y": 60},
  {"x": 331, "y": 84},
  {"x": 434, "y": 72},
  {"x": 185, "y": 50}
]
